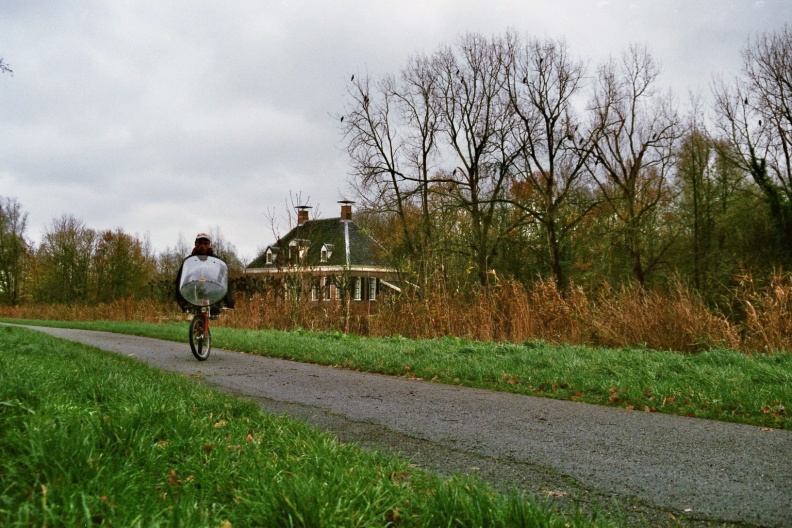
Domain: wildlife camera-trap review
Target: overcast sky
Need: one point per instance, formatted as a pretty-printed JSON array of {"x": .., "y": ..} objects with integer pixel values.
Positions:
[{"x": 169, "y": 117}]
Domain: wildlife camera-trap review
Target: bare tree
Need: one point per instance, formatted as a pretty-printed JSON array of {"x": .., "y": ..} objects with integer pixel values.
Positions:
[
  {"x": 543, "y": 81},
  {"x": 390, "y": 135},
  {"x": 636, "y": 130},
  {"x": 472, "y": 102},
  {"x": 4, "y": 68},
  {"x": 754, "y": 114}
]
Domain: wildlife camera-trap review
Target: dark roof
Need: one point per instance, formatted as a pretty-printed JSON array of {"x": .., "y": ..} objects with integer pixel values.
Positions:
[{"x": 334, "y": 232}]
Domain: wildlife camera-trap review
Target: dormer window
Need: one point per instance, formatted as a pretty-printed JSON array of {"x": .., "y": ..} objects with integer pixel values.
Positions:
[
  {"x": 327, "y": 252},
  {"x": 293, "y": 250},
  {"x": 298, "y": 249},
  {"x": 269, "y": 257}
]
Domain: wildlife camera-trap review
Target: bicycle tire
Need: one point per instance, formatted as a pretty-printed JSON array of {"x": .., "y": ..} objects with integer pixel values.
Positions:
[{"x": 200, "y": 344}]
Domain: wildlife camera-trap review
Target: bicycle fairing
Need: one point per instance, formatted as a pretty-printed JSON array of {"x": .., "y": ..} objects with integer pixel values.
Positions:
[{"x": 203, "y": 284}]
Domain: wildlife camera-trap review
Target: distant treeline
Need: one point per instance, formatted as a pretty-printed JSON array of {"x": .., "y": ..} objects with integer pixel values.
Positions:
[{"x": 507, "y": 159}]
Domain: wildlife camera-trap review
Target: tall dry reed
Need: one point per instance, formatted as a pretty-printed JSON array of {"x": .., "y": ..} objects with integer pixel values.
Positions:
[
  {"x": 767, "y": 313},
  {"x": 508, "y": 311}
]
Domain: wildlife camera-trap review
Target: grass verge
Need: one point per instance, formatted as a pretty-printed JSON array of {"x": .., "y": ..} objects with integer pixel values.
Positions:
[
  {"x": 95, "y": 439},
  {"x": 720, "y": 384}
]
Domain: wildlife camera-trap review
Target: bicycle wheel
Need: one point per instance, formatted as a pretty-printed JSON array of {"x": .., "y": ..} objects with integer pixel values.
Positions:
[{"x": 200, "y": 341}]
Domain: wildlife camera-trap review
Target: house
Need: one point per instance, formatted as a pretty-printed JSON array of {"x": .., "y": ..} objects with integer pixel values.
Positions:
[{"x": 328, "y": 259}]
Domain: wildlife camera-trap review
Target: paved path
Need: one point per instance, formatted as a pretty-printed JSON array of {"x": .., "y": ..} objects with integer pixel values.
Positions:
[{"x": 652, "y": 466}]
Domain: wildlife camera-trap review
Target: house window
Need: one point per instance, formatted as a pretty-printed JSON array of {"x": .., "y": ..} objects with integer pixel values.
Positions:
[
  {"x": 315, "y": 290},
  {"x": 356, "y": 288},
  {"x": 327, "y": 283},
  {"x": 326, "y": 253},
  {"x": 372, "y": 289},
  {"x": 269, "y": 256},
  {"x": 298, "y": 249}
]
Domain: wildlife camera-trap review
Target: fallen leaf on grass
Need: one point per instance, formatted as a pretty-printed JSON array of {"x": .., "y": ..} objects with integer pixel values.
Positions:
[
  {"x": 393, "y": 516},
  {"x": 778, "y": 409},
  {"x": 173, "y": 479},
  {"x": 399, "y": 477}
]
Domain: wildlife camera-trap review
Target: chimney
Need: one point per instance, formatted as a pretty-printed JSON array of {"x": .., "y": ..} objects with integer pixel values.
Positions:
[
  {"x": 302, "y": 214},
  {"x": 346, "y": 209}
]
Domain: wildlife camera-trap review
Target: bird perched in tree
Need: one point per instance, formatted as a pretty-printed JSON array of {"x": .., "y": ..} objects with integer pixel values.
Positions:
[{"x": 353, "y": 78}]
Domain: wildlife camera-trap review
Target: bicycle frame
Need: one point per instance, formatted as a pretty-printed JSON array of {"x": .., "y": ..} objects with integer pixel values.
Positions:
[{"x": 200, "y": 334}]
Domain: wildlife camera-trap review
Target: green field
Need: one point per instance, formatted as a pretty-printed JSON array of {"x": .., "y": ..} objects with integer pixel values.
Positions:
[
  {"x": 720, "y": 385},
  {"x": 90, "y": 438}
]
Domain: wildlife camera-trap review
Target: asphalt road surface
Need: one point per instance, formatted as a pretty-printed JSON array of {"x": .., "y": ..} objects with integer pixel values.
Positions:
[{"x": 655, "y": 469}]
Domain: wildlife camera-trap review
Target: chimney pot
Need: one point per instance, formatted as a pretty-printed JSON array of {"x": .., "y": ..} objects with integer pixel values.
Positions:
[
  {"x": 302, "y": 214},
  {"x": 346, "y": 209}
]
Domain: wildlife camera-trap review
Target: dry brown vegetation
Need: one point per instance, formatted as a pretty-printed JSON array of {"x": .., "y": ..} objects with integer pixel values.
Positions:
[{"x": 760, "y": 318}]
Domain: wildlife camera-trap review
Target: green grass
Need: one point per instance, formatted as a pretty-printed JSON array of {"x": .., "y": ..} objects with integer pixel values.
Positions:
[
  {"x": 90, "y": 438},
  {"x": 720, "y": 384}
]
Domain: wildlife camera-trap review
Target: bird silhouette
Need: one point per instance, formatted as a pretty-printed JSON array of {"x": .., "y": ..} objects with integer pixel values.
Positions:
[
  {"x": 342, "y": 119},
  {"x": 746, "y": 100},
  {"x": 353, "y": 78}
]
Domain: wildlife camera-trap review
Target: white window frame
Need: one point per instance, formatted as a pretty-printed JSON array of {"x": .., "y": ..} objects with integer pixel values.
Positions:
[
  {"x": 357, "y": 287},
  {"x": 326, "y": 252},
  {"x": 372, "y": 293}
]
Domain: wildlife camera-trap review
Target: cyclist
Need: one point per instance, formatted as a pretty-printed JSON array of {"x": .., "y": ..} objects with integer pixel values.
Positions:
[{"x": 203, "y": 246}]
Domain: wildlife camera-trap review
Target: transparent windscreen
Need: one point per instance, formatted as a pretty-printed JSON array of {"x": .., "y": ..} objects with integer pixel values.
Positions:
[{"x": 204, "y": 280}]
